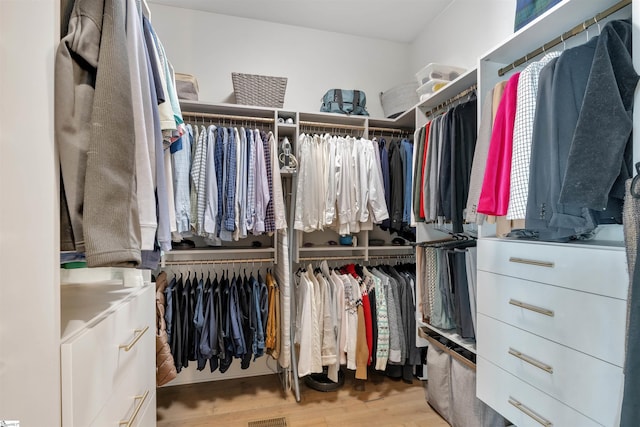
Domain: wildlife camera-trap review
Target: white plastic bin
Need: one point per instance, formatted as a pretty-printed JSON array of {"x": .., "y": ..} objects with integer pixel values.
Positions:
[
  {"x": 438, "y": 72},
  {"x": 430, "y": 87}
]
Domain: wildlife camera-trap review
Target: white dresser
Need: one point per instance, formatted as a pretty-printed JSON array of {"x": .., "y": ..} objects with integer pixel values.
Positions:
[
  {"x": 108, "y": 355},
  {"x": 551, "y": 331}
]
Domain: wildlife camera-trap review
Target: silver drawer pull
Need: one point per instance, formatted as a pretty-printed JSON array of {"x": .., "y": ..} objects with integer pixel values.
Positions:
[
  {"x": 530, "y": 413},
  {"x": 530, "y": 307},
  {"x": 531, "y": 360},
  {"x": 140, "y": 400},
  {"x": 138, "y": 334},
  {"x": 532, "y": 262}
]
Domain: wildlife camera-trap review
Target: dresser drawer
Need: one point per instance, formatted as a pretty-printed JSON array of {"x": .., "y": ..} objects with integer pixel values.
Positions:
[
  {"x": 600, "y": 270},
  {"x": 119, "y": 347},
  {"x": 584, "y": 383},
  {"x": 586, "y": 322},
  {"x": 131, "y": 408},
  {"x": 522, "y": 404}
]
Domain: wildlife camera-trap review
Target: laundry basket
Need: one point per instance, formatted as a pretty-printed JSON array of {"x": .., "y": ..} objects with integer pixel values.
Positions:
[
  {"x": 399, "y": 99},
  {"x": 262, "y": 91}
]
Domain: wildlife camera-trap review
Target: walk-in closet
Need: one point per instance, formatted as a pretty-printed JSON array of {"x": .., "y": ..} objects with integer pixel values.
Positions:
[{"x": 278, "y": 213}]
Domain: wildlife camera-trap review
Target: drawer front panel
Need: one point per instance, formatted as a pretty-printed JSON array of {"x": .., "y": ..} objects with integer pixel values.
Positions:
[
  {"x": 590, "y": 323},
  {"x": 584, "y": 383},
  {"x": 93, "y": 362},
  {"x": 128, "y": 406},
  {"x": 596, "y": 270},
  {"x": 522, "y": 404}
]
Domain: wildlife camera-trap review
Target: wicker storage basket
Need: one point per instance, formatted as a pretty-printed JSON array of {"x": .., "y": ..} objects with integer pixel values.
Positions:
[
  {"x": 399, "y": 99},
  {"x": 262, "y": 91}
]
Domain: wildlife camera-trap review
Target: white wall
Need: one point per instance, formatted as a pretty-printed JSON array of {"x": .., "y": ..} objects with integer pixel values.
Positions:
[
  {"x": 212, "y": 46},
  {"x": 463, "y": 32},
  {"x": 29, "y": 233}
]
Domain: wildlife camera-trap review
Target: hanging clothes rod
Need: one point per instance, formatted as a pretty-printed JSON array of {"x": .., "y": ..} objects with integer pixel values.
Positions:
[
  {"x": 450, "y": 101},
  {"x": 219, "y": 261},
  {"x": 329, "y": 125},
  {"x": 228, "y": 117},
  {"x": 562, "y": 38},
  {"x": 356, "y": 257},
  {"x": 390, "y": 130}
]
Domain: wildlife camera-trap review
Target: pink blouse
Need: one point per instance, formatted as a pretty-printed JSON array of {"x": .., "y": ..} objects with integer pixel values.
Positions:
[{"x": 494, "y": 196}]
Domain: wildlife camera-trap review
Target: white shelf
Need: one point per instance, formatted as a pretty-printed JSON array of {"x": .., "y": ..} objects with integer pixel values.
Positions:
[
  {"x": 545, "y": 28},
  {"x": 227, "y": 109},
  {"x": 464, "y": 81}
]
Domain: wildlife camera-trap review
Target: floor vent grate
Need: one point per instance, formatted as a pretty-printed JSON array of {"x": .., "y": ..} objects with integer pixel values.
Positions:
[{"x": 271, "y": 422}]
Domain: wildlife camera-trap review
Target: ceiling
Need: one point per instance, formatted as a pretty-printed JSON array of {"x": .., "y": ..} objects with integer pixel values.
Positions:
[{"x": 394, "y": 20}]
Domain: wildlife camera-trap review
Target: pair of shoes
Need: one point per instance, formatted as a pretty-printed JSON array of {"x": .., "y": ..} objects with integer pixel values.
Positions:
[
  {"x": 183, "y": 244},
  {"x": 399, "y": 241}
]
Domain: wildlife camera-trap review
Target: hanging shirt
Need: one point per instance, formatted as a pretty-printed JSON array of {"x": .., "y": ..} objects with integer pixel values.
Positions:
[
  {"x": 251, "y": 181},
  {"x": 609, "y": 93},
  {"x": 230, "y": 162},
  {"x": 494, "y": 197},
  {"x": 278, "y": 195},
  {"x": 480, "y": 159},
  {"x": 241, "y": 188},
  {"x": 211, "y": 188},
  {"x": 221, "y": 142},
  {"x": 331, "y": 180},
  {"x": 262, "y": 186},
  {"x": 396, "y": 172},
  {"x": 464, "y": 137},
  {"x": 371, "y": 187},
  {"x": 522, "y": 135},
  {"x": 269, "y": 219},
  {"x": 202, "y": 180},
  {"x": 308, "y": 360},
  {"x": 302, "y": 209},
  {"x": 407, "y": 146},
  {"x": 386, "y": 180},
  {"x": 561, "y": 89},
  {"x": 181, "y": 162}
]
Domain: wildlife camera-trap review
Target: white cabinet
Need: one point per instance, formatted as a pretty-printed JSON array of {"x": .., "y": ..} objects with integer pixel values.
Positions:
[
  {"x": 554, "y": 325},
  {"x": 107, "y": 353},
  {"x": 551, "y": 316}
]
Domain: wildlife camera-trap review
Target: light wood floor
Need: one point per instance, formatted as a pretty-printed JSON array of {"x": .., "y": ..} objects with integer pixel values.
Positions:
[{"x": 235, "y": 402}]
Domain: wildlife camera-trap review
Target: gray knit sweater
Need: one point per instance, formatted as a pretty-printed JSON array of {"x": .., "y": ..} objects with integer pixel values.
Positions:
[{"x": 94, "y": 133}]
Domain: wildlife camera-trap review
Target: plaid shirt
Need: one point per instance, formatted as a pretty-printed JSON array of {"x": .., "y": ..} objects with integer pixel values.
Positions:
[
  {"x": 230, "y": 184},
  {"x": 219, "y": 162},
  {"x": 522, "y": 136},
  {"x": 270, "y": 218}
]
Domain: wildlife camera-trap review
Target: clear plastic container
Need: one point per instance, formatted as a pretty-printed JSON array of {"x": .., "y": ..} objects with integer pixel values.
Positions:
[
  {"x": 430, "y": 87},
  {"x": 438, "y": 72}
]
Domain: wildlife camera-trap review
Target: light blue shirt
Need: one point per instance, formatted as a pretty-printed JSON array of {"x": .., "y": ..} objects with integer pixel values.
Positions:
[{"x": 181, "y": 163}]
